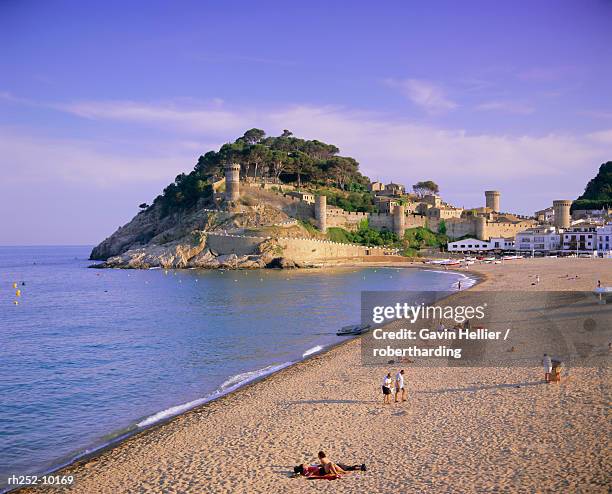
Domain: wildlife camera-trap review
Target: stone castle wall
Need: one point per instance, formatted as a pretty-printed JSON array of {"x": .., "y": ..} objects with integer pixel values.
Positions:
[
  {"x": 379, "y": 221},
  {"x": 457, "y": 228},
  {"x": 233, "y": 244},
  {"x": 320, "y": 250},
  {"x": 300, "y": 249}
]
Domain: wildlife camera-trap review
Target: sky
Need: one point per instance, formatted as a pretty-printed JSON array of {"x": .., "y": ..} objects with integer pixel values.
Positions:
[{"x": 103, "y": 104}]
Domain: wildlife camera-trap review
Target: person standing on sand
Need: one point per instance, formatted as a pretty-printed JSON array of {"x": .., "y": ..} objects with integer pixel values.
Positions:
[
  {"x": 399, "y": 386},
  {"x": 386, "y": 389},
  {"x": 547, "y": 363}
]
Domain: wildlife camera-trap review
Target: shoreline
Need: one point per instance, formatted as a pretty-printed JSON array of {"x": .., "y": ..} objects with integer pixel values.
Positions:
[
  {"x": 84, "y": 458},
  {"x": 245, "y": 393}
]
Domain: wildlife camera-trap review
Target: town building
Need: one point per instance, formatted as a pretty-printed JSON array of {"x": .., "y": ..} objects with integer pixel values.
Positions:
[
  {"x": 580, "y": 239},
  {"x": 476, "y": 245},
  {"x": 546, "y": 215},
  {"x": 603, "y": 213},
  {"x": 538, "y": 239},
  {"x": 392, "y": 189},
  {"x": 385, "y": 204},
  {"x": 604, "y": 240},
  {"x": 303, "y": 196},
  {"x": 376, "y": 187},
  {"x": 444, "y": 212}
]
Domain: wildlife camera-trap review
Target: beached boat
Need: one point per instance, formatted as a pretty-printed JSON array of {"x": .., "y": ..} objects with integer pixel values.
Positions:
[
  {"x": 353, "y": 329},
  {"x": 451, "y": 262}
]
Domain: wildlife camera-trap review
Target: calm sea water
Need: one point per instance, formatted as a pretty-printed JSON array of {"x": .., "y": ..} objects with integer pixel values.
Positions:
[{"x": 91, "y": 355}]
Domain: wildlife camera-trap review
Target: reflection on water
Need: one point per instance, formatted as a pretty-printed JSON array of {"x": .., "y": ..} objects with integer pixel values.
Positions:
[{"x": 90, "y": 353}]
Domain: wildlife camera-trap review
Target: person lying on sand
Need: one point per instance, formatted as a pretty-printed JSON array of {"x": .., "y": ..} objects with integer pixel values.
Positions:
[
  {"x": 319, "y": 470},
  {"x": 336, "y": 468}
]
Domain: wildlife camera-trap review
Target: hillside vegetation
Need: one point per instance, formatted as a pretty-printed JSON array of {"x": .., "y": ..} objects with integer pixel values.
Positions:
[
  {"x": 598, "y": 192},
  {"x": 283, "y": 158}
]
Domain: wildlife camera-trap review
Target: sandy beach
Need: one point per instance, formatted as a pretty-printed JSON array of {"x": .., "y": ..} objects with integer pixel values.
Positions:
[{"x": 461, "y": 430}]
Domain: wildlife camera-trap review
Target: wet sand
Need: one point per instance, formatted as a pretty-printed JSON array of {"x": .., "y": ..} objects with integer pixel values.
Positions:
[{"x": 461, "y": 430}]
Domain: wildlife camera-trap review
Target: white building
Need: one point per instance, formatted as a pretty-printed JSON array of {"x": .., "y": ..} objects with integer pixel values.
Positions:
[
  {"x": 545, "y": 215},
  {"x": 475, "y": 245},
  {"x": 538, "y": 239},
  {"x": 604, "y": 239},
  {"x": 580, "y": 239}
]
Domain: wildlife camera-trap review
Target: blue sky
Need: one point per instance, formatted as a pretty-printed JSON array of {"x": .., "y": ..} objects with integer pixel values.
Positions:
[{"x": 102, "y": 105}]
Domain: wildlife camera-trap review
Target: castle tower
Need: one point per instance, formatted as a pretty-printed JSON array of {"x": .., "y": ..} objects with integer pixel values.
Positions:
[
  {"x": 232, "y": 182},
  {"x": 481, "y": 228},
  {"x": 492, "y": 200},
  {"x": 321, "y": 212},
  {"x": 399, "y": 220},
  {"x": 561, "y": 208}
]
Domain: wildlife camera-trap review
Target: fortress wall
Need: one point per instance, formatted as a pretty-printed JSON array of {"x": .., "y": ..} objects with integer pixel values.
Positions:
[
  {"x": 300, "y": 209},
  {"x": 377, "y": 221},
  {"x": 319, "y": 250},
  {"x": 460, "y": 228},
  {"x": 416, "y": 220},
  {"x": 381, "y": 221},
  {"x": 233, "y": 244},
  {"x": 299, "y": 249},
  {"x": 463, "y": 227},
  {"x": 507, "y": 229}
]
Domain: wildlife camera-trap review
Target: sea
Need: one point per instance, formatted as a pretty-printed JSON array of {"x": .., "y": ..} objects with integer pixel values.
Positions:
[{"x": 89, "y": 356}]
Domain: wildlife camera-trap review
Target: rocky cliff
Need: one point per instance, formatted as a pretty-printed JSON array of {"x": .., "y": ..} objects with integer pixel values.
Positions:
[{"x": 243, "y": 235}]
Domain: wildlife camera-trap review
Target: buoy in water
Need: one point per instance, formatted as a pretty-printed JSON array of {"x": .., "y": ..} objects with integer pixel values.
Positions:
[
  {"x": 16, "y": 303},
  {"x": 18, "y": 293},
  {"x": 14, "y": 285}
]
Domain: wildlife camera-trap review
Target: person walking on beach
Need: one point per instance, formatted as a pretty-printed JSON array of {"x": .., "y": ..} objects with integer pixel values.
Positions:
[
  {"x": 386, "y": 389},
  {"x": 547, "y": 363},
  {"x": 399, "y": 386}
]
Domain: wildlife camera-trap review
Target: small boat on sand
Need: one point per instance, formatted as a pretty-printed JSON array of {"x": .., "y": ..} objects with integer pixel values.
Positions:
[{"x": 353, "y": 329}]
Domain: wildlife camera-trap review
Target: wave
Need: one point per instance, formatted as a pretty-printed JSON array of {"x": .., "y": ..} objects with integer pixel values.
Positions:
[
  {"x": 312, "y": 350},
  {"x": 228, "y": 386},
  {"x": 469, "y": 280},
  {"x": 246, "y": 377}
]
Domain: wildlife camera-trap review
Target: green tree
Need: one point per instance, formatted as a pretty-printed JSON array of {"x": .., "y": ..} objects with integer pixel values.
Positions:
[
  {"x": 442, "y": 227},
  {"x": 301, "y": 164},
  {"x": 253, "y": 136},
  {"x": 425, "y": 187},
  {"x": 256, "y": 156}
]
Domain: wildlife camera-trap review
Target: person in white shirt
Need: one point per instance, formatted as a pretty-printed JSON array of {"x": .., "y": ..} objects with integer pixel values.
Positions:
[
  {"x": 386, "y": 389},
  {"x": 399, "y": 386},
  {"x": 547, "y": 363}
]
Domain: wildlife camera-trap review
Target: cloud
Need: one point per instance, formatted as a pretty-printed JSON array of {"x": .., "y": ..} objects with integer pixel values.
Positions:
[
  {"x": 33, "y": 159},
  {"x": 191, "y": 117},
  {"x": 512, "y": 107},
  {"x": 603, "y": 136},
  {"x": 388, "y": 148},
  {"x": 424, "y": 94}
]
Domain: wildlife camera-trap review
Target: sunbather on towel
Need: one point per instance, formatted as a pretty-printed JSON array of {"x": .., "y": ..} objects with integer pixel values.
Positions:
[
  {"x": 319, "y": 471},
  {"x": 337, "y": 468},
  {"x": 309, "y": 470}
]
